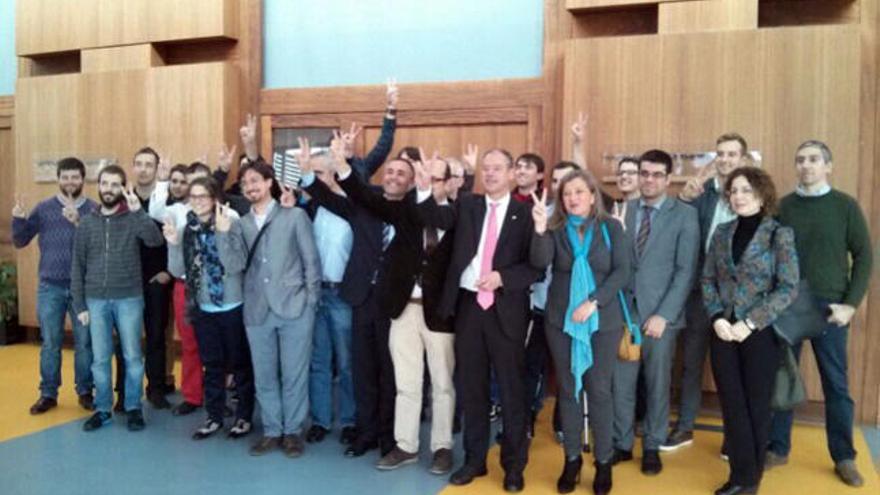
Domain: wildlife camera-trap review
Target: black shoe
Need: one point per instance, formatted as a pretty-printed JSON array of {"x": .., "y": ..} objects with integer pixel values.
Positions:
[
  {"x": 456, "y": 425},
  {"x": 158, "y": 400},
  {"x": 184, "y": 408},
  {"x": 43, "y": 404},
  {"x": 651, "y": 463},
  {"x": 602, "y": 481},
  {"x": 621, "y": 456},
  {"x": 571, "y": 475},
  {"x": 731, "y": 489},
  {"x": 466, "y": 474},
  {"x": 97, "y": 420},
  {"x": 135, "y": 420},
  {"x": 240, "y": 428},
  {"x": 87, "y": 401},
  {"x": 677, "y": 439},
  {"x": 360, "y": 447},
  {"x": 348, "y": 435},
  {"x": 316, "y": 434},
  {"x": 514, "y": 482},
  {"x": 119, "y": 407},
  {"x": 206, "y": 430}
]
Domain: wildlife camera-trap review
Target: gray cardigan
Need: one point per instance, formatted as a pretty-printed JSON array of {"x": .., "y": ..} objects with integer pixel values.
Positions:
[
  {"x": 233, "y": 254},
  {"x": 611, "y": 269}
]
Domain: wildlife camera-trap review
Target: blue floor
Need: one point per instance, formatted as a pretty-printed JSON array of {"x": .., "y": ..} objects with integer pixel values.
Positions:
[
  {"x": 114, "y": 461},
  {"x": 872, "y": 438}
]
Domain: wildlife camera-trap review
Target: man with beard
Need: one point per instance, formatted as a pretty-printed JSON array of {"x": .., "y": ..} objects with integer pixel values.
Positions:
[
  {"x": 107, "y": 290},
  {"x": 54, "y": 220}
]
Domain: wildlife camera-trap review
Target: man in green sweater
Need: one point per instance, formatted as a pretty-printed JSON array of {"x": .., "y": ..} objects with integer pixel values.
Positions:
[{"x": 834, "y": 248}]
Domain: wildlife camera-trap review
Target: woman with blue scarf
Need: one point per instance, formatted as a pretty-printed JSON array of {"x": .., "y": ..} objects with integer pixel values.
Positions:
[
  {"x": 583, "y": 319},
  {"x": 211, "y": 255}
]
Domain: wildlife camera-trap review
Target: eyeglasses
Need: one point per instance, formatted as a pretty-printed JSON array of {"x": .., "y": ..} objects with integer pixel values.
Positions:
[
  {"x": 437, "y": 180},
  {"x": 455, "y": 176},
  {"x": 652, "y": 175}
]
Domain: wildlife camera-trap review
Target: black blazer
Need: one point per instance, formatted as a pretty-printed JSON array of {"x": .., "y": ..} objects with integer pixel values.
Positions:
[
  {"x": 407, "y": 259},
  {"x": 366, "y": 249},
  {"x": 611, "y": 269},
  {"x": 511, "y": 258}
]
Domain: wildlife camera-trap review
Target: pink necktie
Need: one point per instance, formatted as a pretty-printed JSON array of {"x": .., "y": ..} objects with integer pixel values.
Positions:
[{"x": 485, "y": 298}]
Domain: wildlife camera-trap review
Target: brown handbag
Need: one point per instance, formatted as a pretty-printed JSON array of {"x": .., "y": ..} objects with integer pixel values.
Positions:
[{"x": 628, "y": 350}]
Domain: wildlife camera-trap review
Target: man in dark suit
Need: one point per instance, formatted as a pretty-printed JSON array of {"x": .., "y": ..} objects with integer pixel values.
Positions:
[
  {"x": 487, "y": 290},
  {"x": 373, "y": 371}
]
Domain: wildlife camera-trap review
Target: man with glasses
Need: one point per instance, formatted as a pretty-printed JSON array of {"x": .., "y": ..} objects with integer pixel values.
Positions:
[
  {"x": 712, "y": 210},
  {"x": 664, "y": 233}
]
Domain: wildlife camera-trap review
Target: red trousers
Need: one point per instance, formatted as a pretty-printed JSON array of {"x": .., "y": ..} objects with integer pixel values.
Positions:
[{"x": 191, "y": 365}]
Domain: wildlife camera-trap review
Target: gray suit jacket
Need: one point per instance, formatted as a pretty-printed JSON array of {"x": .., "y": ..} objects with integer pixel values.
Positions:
[
  {"x": 285, "y": 272},
  {"x": 664, "y": 274}
]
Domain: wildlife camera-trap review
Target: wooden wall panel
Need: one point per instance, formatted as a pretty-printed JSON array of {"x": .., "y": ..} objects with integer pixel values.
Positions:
[
  {"x": 115, "y": 58},
  {"x": 7, "y": 188},
  {"x": 777, "y": 87},
  {"x": 45, "y": 26},
  {"x": 575, "y": 5},
  {"x": 707, "y": 15}
]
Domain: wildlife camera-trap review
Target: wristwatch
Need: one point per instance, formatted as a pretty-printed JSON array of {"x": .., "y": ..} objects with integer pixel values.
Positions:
[{"x": 749, "y": 323}]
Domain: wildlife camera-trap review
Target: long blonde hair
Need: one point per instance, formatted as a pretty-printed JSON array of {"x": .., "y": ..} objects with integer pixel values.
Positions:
[{"x": 597, "y": 212}]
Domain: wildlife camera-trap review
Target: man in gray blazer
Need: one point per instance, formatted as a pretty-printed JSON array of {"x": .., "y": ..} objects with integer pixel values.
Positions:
[
  {"x": 664, "y": 234},
  {"x": 282, "y": 284}
]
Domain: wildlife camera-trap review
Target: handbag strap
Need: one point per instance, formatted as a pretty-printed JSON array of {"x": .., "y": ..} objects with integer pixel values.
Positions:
[
  {"x": 636, "y": 333},
  {"x": 254, "y": 247}
]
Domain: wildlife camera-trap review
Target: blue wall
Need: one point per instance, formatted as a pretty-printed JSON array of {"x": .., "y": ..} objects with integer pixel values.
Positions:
[
  {"x": 309, "y": 43},
  {"x": 8, "y": 62}
]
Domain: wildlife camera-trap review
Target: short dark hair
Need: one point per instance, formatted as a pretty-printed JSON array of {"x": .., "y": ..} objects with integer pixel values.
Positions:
[
  {"x": 565, "y": 164},
  {"x": 70, "y": 163},
  {"x": 113, "y": 170},
  {"x": 266, "y": 171},
  {"x": 411, "y": 151},
  {"x": 733, "y": 136},
  {"x": 627, "y": 159},
  {"x": 657, "y": 156},
  {"x": 180, "y": 167},
  {"x": 146, "y": 150},
  {"x": 761, "y": 183},
  {"x": 198, "y": 167},
  {"x": 210, "y": 185},
  {"x": 534, "y": 159}
]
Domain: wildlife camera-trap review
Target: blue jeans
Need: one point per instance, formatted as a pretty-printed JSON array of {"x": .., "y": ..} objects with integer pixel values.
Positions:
[
  {"x": 281, "y": 350},
  {"x": 53, "y": 301},
  {"x": 127, "y": 315},
  {"x": 331, "y": 343},
  {"x": 830, "y": 351}
]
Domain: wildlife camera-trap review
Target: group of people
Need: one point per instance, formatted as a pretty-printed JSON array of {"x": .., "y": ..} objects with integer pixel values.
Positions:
[{"x": 339, "y": 292}]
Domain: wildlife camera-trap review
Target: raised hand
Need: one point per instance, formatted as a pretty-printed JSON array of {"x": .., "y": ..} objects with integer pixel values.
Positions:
[
  {"x": 337, "y": 154},
  {"x": 18, "y": 209},
  {"x": 132, "y": 199},
  {"x": 222, "y": 220},
  {"x": 248, "y": 131},
  {"x": 694, "y": 186},
  {"x": 618, "y": 212},
  {"x": 579, "y": 127},
  {"x": 349, "y": 138},
  {"x": 392, "y": 93},
  {"x": 304, "y": 155},
  {"x": 169, "y": 230},
  {"x": 470, "y": 158},
  {"x": 288, "y": 197},
  {"x": 163, "y": 169},
  {"x": 539, "y": 212},
  {"x": 422, "y": 176},
  {"x": 225, "y": 157},
  {"x": 69, "y": 210}
]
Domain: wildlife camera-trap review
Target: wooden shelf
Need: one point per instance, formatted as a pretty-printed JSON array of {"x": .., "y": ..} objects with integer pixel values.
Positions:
[
  {"x": 779, "y": 13},
  {"x": 624, "y": 21}
]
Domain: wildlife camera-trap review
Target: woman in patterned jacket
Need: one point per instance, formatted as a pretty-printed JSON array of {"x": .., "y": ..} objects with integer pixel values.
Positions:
[{"x": 750, "y": 276}]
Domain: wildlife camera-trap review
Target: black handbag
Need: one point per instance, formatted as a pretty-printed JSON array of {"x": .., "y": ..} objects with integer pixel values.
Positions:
[{"x": 788, "y": 386}]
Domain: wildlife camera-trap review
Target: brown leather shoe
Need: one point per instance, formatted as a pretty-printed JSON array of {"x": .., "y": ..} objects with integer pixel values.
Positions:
[
  {"x": 292, "y": 446},
  {"x": 43, "y": 404},
  {"x": 87, "y": 401},
  {"x": 264, "y": 445}
]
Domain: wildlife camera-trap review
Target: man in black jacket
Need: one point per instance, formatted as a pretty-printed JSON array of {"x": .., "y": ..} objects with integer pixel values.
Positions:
[{"x": 487, "y": 290}]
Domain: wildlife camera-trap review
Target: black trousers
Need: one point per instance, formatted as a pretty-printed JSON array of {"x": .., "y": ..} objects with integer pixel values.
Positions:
[
  {"x": 157, "y": 306},
  {"x": 479, "y": 344},
  {"x": 744, "y": 373},
  {"x": 373, "y": 374},
  {"x": 223, "y": 347},
  {"x": 536, "y": 363}
]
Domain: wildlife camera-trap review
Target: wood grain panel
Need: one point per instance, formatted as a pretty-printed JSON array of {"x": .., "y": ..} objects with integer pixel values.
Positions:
[
  {"x": 128, "y": 57},
  {"x": 46, "y": 26},
  {"x": 7, "y": 105},
  {"x": 427, "y": 96},
  {"x": 772, "y": 13},
  {"x": 577, "y": 5},
  {"x": 707, "y": 15},
  {"x": 7, "y": 189}
]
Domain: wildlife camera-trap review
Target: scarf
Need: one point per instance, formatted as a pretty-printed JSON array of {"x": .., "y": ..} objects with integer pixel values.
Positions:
[
  {"x": 200, "y": 255},
  {"x": 583, "y": 284}
]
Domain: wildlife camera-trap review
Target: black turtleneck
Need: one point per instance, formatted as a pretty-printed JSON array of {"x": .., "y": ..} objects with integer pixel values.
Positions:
[{"x": 745, "y": 230}]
